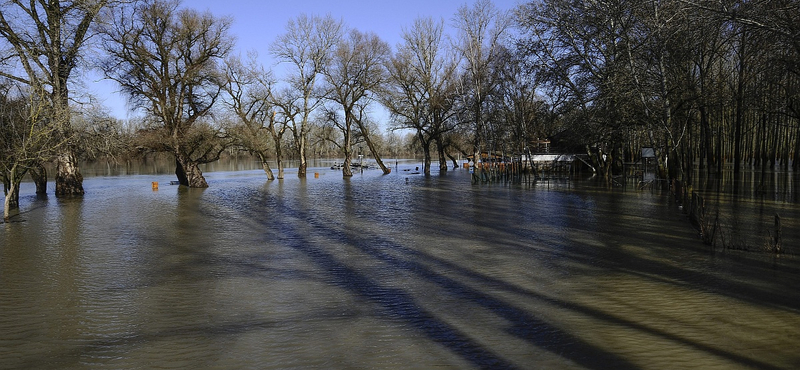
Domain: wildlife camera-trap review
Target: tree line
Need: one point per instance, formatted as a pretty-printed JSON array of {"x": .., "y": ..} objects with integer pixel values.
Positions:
[{"x": 702, "y": 82}]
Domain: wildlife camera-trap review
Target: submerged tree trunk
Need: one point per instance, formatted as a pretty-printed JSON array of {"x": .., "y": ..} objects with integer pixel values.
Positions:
[
  {"x": 346, "y": 169},
  {"x": 8, "y": 204},
  {"x": 11, "y": 187},
  {"x": 279, "y": 158},
  {"x": 301, "y": 148},
  {"x": 426, "y": 152},
  {"x": 455, "y": 161},
  {"x": 39, "y": 176},
  {"x": 442, "y": 157},
  {"x": 189, "y": 173},
  {"x": 69, "y": 180},
  {"x": 265, "y": 166},
  {"x": 375, "y": 154}
]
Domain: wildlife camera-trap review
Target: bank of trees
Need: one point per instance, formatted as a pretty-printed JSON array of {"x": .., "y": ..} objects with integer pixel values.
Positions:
[{"x": 704, "y": 83}]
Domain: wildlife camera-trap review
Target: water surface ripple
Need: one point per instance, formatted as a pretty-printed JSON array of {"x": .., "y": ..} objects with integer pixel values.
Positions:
[{"x": 396, "y": 271}]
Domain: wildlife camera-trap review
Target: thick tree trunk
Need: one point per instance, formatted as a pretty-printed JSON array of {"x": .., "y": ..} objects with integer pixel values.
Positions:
[
  {"x": 455, "y": 161},
  {"x": 39, "y": 176},
  {"x": 348, "y": 153},
  {"x": 442, "y": 157},
  {"x": 426, "y": 161},
  {"x": 7, "y": 204},
  {"x": 346, "y": 169},
  {"x": 189, "y": 173},
  {"x": 11, "y": 192},
  {"x": 268, "y": 170},
  {"x": 426, "y": 156},
  {"x": 69, "y": 181},
  {"x": 14, "y": 192}
]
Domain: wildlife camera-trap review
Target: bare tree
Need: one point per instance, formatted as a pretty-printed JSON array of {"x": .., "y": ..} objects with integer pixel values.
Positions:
[
  {"x": 352, "y": 75},
  {"x": 99, "y": 135},
  {"x": 26, "y": 138},
  {"x": 167, "y": 61},
  {"x": 250, "y": 97},
  {"x": 482, "y": 29},
  {"x": 306, "y": 46},
  {"x": 519, "y": 107},
  {"x": 406, "y": 101},
  {"x": 421, "y": 91},
  {"x": 44, "y": 40}
]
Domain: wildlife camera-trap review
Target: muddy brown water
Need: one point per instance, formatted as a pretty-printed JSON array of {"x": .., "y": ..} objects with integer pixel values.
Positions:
[{"x": 381, "y": 272}]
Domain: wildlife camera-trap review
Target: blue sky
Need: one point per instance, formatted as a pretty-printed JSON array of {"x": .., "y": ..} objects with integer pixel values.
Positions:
[{"x": 256, "y": 24}]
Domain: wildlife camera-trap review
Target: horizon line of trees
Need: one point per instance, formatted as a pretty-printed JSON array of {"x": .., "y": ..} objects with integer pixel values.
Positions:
[{"x": 702, "y": 82}]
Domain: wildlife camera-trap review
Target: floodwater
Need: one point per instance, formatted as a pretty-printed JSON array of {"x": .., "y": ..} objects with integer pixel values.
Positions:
[{"x": 381, "y": 272}]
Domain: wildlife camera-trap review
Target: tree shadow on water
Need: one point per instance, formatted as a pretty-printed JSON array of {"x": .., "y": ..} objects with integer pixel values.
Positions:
[{"x": 396, "y": 303}]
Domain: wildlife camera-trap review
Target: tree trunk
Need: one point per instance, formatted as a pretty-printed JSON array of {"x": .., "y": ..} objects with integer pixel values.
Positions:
[
  {"x": 375, "y": 154},
  {"x": 426, "y": 155},
  {"x": 279, "y": 158},
  {"x": 69, "y": 181},
  {"x": 346, "y": 169},
  {"x": 706, "y": 152},
  {"x": 737, "y": 136},
  {"x": 14, "y": 192},
  {"x": 455, "y": 162},
  {"x": 7, "y": 203},
  {"x": 301, "y": 148},
  {"x": 189, "y": 173},
  {"x": 39, "y": 176},
  {"x": 442, "y": 157},
  {"x": 265, "y": 165},
  {"x": 11, "y": 186}
]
